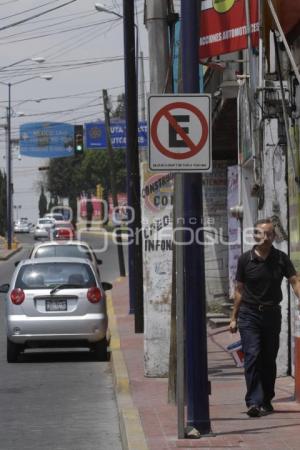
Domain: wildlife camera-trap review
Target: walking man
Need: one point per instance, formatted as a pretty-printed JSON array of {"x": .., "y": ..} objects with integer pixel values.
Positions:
[{"x": 257, "y": 314}]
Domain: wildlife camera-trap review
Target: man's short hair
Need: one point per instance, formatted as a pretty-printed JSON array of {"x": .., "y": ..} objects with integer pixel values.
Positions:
[{"x": 267, "y": 220}]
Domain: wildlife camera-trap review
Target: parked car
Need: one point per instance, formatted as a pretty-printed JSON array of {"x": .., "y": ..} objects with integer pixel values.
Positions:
[
  {"x": 54, "y": 216},
  {"x": 56, "y": 302},
  {"x": 74, "y": 249},
  {"x": 22, "y": 226},
  {"x": 64, "y": 230},
  {"x": 43, "y": 228}
]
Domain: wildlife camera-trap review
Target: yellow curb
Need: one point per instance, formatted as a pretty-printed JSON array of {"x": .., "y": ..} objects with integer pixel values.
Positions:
[
  {"x": 130, "y": 425},
  {"x": 9, "y": 253},
  {"x": 131, "y": 430}
]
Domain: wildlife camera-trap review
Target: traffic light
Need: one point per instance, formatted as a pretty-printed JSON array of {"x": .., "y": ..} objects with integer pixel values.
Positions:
[{"x": 78, "y": 140}]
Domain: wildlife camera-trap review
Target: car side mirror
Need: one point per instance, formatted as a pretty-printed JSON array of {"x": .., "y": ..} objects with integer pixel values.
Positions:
[
  {"x": 16, "y": 263},
  {"x": 4, "y": 288},
  {"x": 99, "y": 261},
  {"x": 106, "y": 286}
]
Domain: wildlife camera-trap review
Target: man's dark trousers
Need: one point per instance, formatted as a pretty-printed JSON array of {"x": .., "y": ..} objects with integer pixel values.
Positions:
[{"x": 259, "y": 330}]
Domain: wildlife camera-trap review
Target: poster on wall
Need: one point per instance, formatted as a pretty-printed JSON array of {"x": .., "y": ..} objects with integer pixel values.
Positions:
[
  {"x": 223, "y": 26},
  {"x": 157, "y": 227}
]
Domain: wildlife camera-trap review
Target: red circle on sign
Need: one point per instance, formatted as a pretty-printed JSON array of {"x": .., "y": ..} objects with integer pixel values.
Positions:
[{"x": 194, "y": 148}]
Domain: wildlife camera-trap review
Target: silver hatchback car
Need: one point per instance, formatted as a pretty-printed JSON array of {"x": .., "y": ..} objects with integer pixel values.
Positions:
[{"x": 56, "y": 302}]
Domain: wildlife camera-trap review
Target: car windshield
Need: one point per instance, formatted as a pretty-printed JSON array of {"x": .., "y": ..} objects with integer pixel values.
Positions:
[
  {"x": 45, "y": 221},
  {"x": 52, "y": 274},
  {"x": 77, "y": 251}
]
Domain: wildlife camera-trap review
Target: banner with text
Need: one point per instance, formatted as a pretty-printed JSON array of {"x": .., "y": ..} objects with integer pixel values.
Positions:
[
  {"x": 46, "y": 139},
  {"x": 96, "y": 135},
  {"x": 223, "y": 26}
]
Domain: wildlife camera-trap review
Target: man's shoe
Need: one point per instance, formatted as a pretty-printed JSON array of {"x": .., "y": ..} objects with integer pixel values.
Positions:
[
  {"x": 253, "y": 411},
  {"x": 267, "y": 408}
]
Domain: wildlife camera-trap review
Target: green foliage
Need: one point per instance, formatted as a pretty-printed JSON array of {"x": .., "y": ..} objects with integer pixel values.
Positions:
[
  {"x": 42, "y": 203},
  {"x": 68, "y": 177},
  {"x": 2, "y": 204}
]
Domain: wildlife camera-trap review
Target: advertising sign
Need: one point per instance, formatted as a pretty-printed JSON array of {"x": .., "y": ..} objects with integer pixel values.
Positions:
[
  {"x": 96, "y": 134},
  {"x": 180, "y": 133},
  {"x": 223, "y": 26},
  {"x": 46, "y": 139},
  {"x": 157, "y": 221}
]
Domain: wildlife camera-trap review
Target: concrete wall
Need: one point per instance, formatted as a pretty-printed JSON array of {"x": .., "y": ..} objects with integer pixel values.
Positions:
[
  {"x": 215, "y": 222},
  {"x": 275, "y": 190}
]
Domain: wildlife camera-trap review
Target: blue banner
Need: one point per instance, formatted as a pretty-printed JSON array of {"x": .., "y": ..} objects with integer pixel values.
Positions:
[
  {"x": 96, "y": 135},
  {"x": 47, "y": 139}
]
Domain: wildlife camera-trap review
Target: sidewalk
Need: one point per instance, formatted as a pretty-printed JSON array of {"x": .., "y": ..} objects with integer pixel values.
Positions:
[
  {"x": 153, "y": 422},
  {"x": 6, "y": 254}
]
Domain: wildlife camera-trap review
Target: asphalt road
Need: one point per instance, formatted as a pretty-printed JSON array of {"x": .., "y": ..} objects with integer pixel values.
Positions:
[{"x": 56, "y": 400}]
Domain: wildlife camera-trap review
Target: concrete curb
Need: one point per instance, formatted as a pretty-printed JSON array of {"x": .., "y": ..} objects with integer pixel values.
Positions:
[
  {"x": 10, "y": 253},
  {"x": 132, "y": 433}
]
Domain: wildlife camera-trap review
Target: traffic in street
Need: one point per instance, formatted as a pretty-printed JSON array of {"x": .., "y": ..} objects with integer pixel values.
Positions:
[{"x": 57, "y": 398}]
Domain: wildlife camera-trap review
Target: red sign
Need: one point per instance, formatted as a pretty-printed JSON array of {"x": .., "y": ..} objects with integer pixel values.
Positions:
[
  {"x": 223, "y": 26},
  {"x": 194, "y": 148}
]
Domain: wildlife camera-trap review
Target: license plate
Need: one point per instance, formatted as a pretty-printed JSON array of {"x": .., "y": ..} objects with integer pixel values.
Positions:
[{"x": 56, "y": 305}]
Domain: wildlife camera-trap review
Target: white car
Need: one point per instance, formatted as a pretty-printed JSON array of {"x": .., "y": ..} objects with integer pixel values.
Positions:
[
  {"x": 73, "y": 249},
  {"x": 22, "y": 226},
  {"x": 43, "y": 228},
  {"x": 57, "y": 217},
  {"x": 57, "y": 302}
]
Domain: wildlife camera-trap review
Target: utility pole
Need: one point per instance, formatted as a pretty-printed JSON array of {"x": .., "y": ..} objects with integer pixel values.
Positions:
[
  {"x": 195, "y": 327},
  {"x": 112, "y": 181},
  {"x": 158, "y": 37},
  {"x": 9, "y": 172},
  {"x": 135, "y": 256}
]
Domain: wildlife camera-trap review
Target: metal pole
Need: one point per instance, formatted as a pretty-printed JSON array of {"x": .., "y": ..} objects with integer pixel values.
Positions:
[
  {"x": 286, "y": 45},
  {"x": 142, "y": 88},
  {"x": 196, "y": 338},
  {"x": 135, "y": 256},
  {"x": 113, "y": 182},
  {"x": 9, "y": 172},
  {"x": 250, "y": 54},
  {"x": 178, "y": 213}
]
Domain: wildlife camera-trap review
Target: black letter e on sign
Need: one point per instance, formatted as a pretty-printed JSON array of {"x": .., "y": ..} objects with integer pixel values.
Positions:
[{"x": 173, "y": 141}]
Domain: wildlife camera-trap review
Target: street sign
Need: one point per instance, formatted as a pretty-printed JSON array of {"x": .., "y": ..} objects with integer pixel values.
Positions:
[
  {"x": 180, "y": 133},
  {"x": 96, "y": 134},
  {"x": 46, "y": 139}
]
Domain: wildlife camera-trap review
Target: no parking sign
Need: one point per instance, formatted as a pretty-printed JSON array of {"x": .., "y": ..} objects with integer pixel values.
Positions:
[{"x": 180, "y": 133}]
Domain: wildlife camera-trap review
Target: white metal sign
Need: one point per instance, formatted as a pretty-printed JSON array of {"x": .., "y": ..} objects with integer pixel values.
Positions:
[{"x": 180, "y": 133}]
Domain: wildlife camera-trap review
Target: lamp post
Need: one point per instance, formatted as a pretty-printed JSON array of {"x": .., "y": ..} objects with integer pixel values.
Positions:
[
  {"x": 101, "y": 8},
  {"x": 135, "y": 259},
  {"x": 8, "y": 155},
  {"x": 38, "y": 59}
]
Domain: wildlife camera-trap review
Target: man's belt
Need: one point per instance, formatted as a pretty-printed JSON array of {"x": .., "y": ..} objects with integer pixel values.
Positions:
[{"x": 260, "y": 307}]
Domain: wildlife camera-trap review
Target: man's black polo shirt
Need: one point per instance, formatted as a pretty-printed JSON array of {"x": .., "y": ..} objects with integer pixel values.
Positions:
[{"x": 262, "y": 278}]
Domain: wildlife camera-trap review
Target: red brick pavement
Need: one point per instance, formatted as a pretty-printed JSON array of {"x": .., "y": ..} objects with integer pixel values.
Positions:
[{"x": 231, "y": 427}]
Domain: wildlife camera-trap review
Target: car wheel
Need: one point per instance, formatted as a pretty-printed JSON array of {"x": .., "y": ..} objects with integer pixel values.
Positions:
[
  {"x": 100, "y": 351},
  {"x": 13, "y": 351}
]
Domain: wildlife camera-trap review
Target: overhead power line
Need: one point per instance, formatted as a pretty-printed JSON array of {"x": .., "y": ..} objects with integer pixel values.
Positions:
[
  {"x": 28, "y": 10},
  {"x": 19, "y": 22}
]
